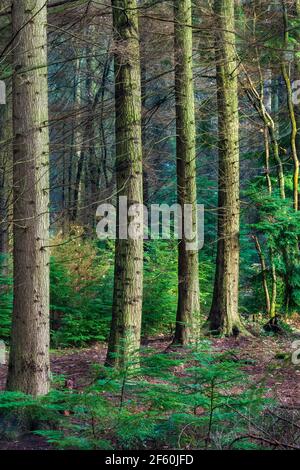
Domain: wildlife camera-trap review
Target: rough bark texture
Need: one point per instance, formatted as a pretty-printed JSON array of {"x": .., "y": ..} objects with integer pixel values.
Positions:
[
  {"x": 3, "y": 186},
  {"x": 124, "y": 341},
  {"x": 224, "y": 316},
  {"x": 188, "y": 309},
  {"x": 29, "y": 355}
]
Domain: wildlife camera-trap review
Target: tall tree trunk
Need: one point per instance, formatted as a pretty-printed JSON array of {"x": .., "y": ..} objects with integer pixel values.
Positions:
[
  {"x": 297, "y": 73},
  {"x": 81, "y": 209},
  {"x": 188, "y": 309},
  {"x": 5, "y": 187},
  {"x": 224, "y": 316},
  {"x": 144, "y": 131},
  {"x": 79, "y": 156},
  {"x": 92, "y": 159},
  {"x": 273, "y": 299},
  {"x": 124, "y": 341},
  {"x": 285, "y": 66},
  {"x": 294, "y": 130},
  {"x": 101, "y": 97},
  {"x": 29, "y": 355},
  {"x": 3, "y": 190},
  {"x": 65, "y": 222}
]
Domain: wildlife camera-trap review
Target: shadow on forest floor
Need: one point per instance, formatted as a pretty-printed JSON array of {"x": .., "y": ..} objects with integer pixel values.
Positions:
[{"x": 266, "y": 359}]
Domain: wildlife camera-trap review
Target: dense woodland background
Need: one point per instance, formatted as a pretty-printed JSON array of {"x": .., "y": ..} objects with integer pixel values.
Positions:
[{"x": 163, "y": 102}]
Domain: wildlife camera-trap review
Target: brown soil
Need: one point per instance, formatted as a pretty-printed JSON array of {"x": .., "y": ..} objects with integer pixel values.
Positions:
[{"x": 266, "y": 359}]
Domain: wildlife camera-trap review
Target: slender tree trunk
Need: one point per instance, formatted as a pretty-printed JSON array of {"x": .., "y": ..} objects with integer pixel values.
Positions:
[
  {"x": 285, "y": 66},
  {"x": 77, "y": 181},
  {"x": 267, "y": 160},
  {"x": 75, "y": 150},
  {"x": 29, "y": 355},
  {"x": 294, "y": 131},
  {"x": 92, "y": 160},
  {"x": 79, "y": 156},
  {"x": 257, "y": 101},
  {"x": 263, "y": 273},
  {"x": 65, "y": 222},
  {"x": 188, "y": 309},
  {"x": 124, "y": 341},
  {"x": 224, "y": 316},
  {"x": 274, "y": 285},
  {"x": 271, "y": 130},
  {"x": 297, "y": 73},
  {"x": 103, "y": 138},
  {"x": 273, "y": 299},
  {"x": 81, "y": 209}
]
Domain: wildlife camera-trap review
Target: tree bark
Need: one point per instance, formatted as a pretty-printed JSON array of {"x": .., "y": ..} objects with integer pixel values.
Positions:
[
  {"x": 188, "y": 308},
  {"x": 224, "y": 316},
  {"x": 124, "y": 341},
  {"x": 297, "y": 73},
  {"x": 263, "y": 273},
  {"x": 273, "y": 299},
  {"x": 294, "y": 130},
  {"x": 29, "y": 369},
  {"x": 3, "y": 190}
]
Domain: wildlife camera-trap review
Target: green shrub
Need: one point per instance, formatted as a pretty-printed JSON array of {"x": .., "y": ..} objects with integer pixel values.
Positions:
[
  {"x": 187, "y": 400},
  {"x": 81, "y": 291}
]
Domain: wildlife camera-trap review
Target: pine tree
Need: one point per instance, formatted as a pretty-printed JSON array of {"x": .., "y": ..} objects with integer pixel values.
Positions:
[
  {"x": 188, "y": 309},
  {"x": 224, "y": 316},
  {"x": 29, "y": 354},
  {"x": 124, "y": 340}
]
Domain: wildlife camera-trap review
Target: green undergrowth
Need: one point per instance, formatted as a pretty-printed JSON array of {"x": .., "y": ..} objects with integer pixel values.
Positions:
[{"x": 195, "y": 399}]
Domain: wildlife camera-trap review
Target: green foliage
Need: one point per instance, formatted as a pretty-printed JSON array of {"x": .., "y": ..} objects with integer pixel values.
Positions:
[
  {"x": 160, "y": 286},
  {"x": 196, "y": 399},
  {"x": 81, "y": 278},
  {"x": 77, "y": 315},
  {"x": 20, "y": 414},
  {"x": 278, "y": 225},
  {"x": 6, "y": 298},
  {"x": 81, "y": 302},
  {"x": 160, "y": 280}
]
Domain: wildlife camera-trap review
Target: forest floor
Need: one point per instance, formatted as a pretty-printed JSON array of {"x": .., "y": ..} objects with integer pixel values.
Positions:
[{"x": 266, "y": 359}]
